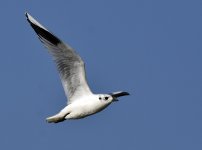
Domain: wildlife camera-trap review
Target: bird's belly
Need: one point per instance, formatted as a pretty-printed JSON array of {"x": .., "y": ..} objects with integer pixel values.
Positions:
[{"x": 83, "y": 110}]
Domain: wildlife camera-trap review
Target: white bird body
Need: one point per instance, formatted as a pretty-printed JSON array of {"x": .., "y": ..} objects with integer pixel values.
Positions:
[
  {"x": 84, "y": 106},
  {"x": 81, "y": 101}
]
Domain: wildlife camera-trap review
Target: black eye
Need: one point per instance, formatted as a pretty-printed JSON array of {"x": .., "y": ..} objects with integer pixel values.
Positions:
[
  {"x": 100, "y": 98},
  {"x": 106, "y": 98}
]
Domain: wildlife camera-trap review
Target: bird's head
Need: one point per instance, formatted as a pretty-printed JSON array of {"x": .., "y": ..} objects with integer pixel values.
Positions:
[{"x": 112, "y": 97}]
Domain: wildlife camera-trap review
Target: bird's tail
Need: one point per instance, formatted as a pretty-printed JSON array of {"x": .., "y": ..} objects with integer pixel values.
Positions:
[{"x": 55, "y": 119}]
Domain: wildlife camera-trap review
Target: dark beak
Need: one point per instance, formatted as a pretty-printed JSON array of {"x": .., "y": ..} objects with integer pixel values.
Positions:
[{"x": 115, "y": 95}]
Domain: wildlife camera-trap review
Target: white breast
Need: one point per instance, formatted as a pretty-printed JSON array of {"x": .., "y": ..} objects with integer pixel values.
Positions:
[{"x": 85, "y": 106}]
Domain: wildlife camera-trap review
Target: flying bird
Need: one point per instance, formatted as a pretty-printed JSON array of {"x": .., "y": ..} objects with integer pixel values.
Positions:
[{"x": 81, "y": 101}]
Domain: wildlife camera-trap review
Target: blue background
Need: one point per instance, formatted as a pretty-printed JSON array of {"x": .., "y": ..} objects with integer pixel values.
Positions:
[{"x": 150, "y": 48}]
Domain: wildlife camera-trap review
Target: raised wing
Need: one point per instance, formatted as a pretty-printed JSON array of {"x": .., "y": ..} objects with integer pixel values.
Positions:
[{"x": 69, "y": 64}]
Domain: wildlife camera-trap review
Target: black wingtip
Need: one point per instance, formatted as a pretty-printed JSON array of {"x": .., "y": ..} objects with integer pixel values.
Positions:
[
  {"x": 26, "y": 14},
  {"x": 41, "y": 31}
]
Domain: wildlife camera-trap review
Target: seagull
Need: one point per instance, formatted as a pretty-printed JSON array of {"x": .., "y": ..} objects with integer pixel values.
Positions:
[{"x": 81, "y": 101}]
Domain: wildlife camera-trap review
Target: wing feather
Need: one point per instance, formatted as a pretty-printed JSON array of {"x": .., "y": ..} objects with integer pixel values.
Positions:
[{"x": 70, "y": 65}]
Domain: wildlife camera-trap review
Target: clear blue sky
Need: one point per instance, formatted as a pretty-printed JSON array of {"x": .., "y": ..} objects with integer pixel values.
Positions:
[{"x": 152, "y": 49}]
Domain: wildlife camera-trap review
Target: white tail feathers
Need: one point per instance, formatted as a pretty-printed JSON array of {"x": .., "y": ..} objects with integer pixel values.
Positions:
[{"x": 55, "y": 119}]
